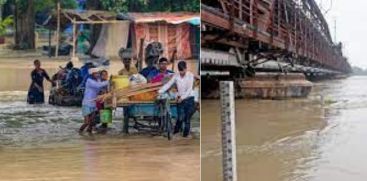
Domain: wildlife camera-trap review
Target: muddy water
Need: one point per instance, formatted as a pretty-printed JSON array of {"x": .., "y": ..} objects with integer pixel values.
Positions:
[
  {"x": 305, "y": 139},
  {"x": 40, "y": 142}
]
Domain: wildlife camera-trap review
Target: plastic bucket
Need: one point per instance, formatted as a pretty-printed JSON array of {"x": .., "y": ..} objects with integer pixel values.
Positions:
[
  {"x": 106, "y": 115},
  {"x": 119, "y": 81}
]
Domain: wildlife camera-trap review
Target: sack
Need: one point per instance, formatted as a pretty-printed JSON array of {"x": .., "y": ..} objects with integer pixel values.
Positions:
[{"x": 137, "y": 79}]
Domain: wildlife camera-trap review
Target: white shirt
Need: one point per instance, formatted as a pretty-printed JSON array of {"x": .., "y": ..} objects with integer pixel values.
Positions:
[{"x": 184, "y": 85}]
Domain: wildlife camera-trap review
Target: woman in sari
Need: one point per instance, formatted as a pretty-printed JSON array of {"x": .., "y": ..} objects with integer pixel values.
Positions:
[{"x": 36, "y": 92}]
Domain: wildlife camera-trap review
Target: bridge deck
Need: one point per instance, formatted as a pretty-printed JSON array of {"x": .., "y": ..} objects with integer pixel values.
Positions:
[{"x": 297, "y": 27}]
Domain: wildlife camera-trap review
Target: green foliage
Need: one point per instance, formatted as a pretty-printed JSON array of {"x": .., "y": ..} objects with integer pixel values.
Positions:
[
  {"x": 2, "y": 2},
  {"x": 120, "y": 5},
  {"x": 174, "y": 5},
  {"x": 21, "y": 5},
  {"x": 41, "y": 5},
  {"x": 151, "y": 5},
  {"x": 115, "y": 5},
  {"x": 5, "y": 23}
]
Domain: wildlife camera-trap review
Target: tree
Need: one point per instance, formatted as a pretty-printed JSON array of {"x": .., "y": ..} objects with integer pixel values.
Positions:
[
  {"x": 42, "y": 5},
  {"x": 115, "y": 5},
  {"x": 25, "y": 19},
  {"x": 24, "y": 24},
  {"x": 95, "y": 29},
  {"x": 5, "y": 23},
  {"x": 2, "y": 2},
  {"x": 151, "y": 5}
]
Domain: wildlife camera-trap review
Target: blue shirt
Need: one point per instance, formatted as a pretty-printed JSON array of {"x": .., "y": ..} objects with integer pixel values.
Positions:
[
  {"x": 146, "y": 71},
  {"x": 84, "y": 71},
  {"x": 92, "y": 88},
  {"x": 85, "y": 75},
  {"x": 156, "y": 72}
]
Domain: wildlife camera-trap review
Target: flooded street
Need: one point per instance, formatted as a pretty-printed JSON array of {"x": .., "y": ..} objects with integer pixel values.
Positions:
[
  {"x": 313, "y": 139},
  {"x": 41, "y": 142}
]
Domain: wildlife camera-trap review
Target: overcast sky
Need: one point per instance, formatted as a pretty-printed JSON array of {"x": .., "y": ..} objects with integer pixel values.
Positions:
[{"x": 351, "y": 27}]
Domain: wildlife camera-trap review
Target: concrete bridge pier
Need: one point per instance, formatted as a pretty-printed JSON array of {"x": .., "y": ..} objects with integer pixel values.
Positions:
[{"x": 262, "y": 85}]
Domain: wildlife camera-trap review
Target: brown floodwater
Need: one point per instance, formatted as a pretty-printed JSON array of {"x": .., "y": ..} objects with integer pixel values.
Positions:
[
  {"x": 308, "y": 139},
  {"x": 40, "y": 142}
]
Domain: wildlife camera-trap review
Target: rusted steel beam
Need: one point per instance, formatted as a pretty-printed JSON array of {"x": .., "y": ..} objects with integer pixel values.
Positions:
[
  {"x": 296, "y": 26},
  {"x": 219, "y": 20}
]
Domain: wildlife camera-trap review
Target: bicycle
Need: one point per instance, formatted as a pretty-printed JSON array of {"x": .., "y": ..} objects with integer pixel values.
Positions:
[{"x": 164, "y": 117}]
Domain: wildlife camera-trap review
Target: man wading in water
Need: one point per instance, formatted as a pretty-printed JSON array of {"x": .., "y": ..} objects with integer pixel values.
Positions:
[
  {"x": 92, "y": 87},
  {"x": 184, "y": 81},
  {"x": 35, "y": 92}
]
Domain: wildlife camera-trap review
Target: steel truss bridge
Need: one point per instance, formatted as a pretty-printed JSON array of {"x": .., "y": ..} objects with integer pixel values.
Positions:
[{"x": 268, "y": 35}]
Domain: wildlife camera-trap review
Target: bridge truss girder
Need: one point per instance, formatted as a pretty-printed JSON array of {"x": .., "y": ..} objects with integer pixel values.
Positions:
[{"x": 293, "y": 28}]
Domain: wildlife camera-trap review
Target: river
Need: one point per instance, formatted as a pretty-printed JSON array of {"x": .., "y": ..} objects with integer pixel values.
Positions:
[
  {"x": 41, "y": 142},
  {"x": 311, "y": 139}
]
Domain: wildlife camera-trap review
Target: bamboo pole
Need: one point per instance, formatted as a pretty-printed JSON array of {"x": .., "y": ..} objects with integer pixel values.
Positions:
[
  {"x": 99, "y": 22},
  {"x": 141, "y": 55},
  {"x": 127, "y": 94},
  {"x": 74, "y": 39},
  {"x": 131, "y": 90},
  {"x": 58, "y": 29},
  {"x": 49, "y": 42}
]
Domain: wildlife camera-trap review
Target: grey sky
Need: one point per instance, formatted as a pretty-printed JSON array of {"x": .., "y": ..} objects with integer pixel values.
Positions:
[{"x": 351, "y": 25}]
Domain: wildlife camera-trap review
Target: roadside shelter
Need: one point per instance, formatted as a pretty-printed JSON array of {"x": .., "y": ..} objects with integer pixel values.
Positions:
[{"x": 178, "y": 31}]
